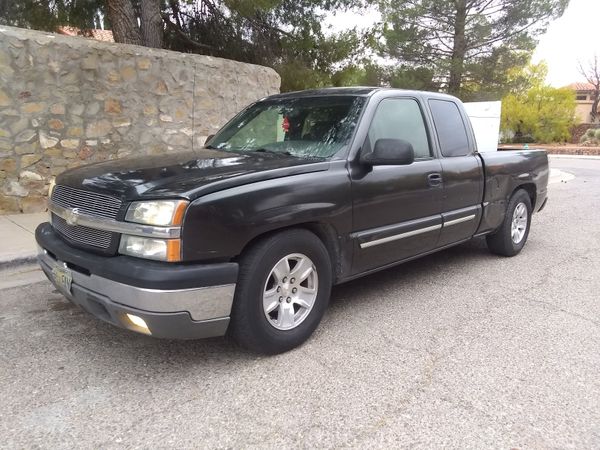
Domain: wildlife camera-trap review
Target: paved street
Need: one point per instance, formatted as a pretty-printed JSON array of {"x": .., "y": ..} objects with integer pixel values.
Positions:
[{"x": 460, "y": 349}]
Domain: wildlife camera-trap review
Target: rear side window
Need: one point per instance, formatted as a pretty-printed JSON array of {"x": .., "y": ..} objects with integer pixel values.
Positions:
[
  {"x": 400, "y": 118},
  {"x": 450, "y": 128}
]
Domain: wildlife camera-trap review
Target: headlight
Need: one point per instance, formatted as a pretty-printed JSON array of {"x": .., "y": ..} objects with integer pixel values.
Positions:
[
  {"x": 157, "y": 212},
  {"x": 151, "y": 248}
]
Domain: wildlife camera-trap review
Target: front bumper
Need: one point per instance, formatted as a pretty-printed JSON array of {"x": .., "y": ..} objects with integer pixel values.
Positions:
[{"x": 178, "y": 301}]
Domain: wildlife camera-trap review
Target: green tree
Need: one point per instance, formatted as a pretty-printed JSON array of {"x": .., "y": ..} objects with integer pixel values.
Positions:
[
  {"x": 47, "y": 15},
  {"x": 286, "y": 35},
  {"x": 470, "y": 45},
  {"x": 367, "y": 73},
  {"x": 541, "y": 114},
  {"x": 125, "y": 15},
  {"x": 282, "y": 34},
  {"x": 520, "y": 80}
]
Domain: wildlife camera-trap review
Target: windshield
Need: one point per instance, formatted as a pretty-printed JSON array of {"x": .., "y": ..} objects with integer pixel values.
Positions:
[{"x": 316, "y": 127}]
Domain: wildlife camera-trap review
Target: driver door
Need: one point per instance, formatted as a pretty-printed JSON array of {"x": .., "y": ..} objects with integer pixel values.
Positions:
[{"x": 396, "y": 209}]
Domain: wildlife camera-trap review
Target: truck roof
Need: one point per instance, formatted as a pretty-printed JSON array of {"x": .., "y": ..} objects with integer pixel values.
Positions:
[
  {"x": 354, "y": 90},
  {"x": 359, "y": 91}
]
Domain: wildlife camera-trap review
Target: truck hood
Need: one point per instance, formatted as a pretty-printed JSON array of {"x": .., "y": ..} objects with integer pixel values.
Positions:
[{"x": 186, "y": 174}]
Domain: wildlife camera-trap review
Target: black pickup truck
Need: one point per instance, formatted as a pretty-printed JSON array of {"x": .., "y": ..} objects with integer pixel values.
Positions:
[{"x": 298, "y": 192}]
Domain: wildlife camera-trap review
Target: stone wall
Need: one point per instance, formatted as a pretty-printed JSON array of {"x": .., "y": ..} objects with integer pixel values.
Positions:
[{"x": 68, "y": 101}]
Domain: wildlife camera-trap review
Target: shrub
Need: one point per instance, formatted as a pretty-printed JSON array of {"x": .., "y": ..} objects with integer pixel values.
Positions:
[
  {"x": 591, "y": 137},
  {"x": 543, "y": 112}
]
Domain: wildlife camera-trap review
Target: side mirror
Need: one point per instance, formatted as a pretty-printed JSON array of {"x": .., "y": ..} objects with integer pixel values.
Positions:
[
  {"x": 390, "y": 152},
  {"x": 208, "y": 138}
]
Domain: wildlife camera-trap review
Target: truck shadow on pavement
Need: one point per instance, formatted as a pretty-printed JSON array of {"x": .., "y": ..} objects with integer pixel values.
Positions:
[{"x": 412, "y": 273}]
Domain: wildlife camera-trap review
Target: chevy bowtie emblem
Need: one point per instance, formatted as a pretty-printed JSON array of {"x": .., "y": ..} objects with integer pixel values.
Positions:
[{"x": 72, "y": 216}]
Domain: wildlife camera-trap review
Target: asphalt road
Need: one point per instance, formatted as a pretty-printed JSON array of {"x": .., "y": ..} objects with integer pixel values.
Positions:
[{"x": 459, "y": 349}]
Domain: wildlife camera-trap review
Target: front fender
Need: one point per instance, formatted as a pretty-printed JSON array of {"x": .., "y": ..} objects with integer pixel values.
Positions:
[{"x": 219, "y": 225}]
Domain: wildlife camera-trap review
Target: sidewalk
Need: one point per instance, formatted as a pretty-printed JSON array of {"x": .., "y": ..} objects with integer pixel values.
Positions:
[{"x": 18, "y": 241}]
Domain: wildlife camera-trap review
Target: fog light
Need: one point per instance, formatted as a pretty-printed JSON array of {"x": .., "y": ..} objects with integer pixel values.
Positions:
[{"x": 139, "y": 322}]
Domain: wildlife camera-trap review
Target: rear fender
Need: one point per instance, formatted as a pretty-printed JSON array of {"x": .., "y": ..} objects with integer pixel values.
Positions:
[{"x": 506, "y": 172}]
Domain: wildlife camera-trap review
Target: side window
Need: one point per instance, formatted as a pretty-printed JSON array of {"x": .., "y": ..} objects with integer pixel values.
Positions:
[
  {"x": 400, "y": 118},
  {"x": 450, "y": 128}
]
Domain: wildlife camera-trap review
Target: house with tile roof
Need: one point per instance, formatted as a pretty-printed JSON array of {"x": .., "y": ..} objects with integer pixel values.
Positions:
[
  {"x": 93, "y": 33},
  {"x": 584, "y": 97}
]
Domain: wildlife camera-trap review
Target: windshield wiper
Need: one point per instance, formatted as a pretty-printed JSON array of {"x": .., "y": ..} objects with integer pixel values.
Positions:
[{"x": 266, "y": 150}]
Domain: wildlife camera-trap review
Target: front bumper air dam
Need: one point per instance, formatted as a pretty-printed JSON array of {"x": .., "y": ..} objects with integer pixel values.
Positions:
[{"x": 176, "y": 301}]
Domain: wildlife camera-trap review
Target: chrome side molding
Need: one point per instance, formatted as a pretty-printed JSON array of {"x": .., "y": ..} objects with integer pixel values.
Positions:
[
  {"x": 459, "y": 220},
  {"x": 407, "y": 234},
  {"x": 395, "y": 237}
]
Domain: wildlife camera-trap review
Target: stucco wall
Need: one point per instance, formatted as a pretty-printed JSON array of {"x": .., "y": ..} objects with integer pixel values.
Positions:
[
  {"x": 583, "y": 109},
  {"x": 67, "y": 101}
]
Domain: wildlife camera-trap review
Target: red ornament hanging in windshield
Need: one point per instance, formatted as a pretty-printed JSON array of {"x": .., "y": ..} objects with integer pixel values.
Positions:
[{"x": 285, "y": 125}]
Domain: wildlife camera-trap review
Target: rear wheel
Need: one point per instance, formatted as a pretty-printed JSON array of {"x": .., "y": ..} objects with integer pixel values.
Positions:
[
  {"x": 282, "y": 292},
  {"x": 510, "y": 238}
]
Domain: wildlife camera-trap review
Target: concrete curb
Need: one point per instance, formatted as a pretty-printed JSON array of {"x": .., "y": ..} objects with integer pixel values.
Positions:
[
  {"x": 558, "y": 156},
  {"x": 22, "y": 260},
  {"x": 17, "y": 263}
]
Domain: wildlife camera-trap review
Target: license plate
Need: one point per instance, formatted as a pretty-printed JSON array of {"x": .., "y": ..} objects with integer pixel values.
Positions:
[{"x": 63, "y": 277}]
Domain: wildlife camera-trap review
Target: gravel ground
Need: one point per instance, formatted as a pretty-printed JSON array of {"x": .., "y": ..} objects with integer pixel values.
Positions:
[{"x": 459, "y": 349}]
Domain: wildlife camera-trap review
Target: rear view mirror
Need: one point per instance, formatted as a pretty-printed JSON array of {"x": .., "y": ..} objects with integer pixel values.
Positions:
[
  {"x": 390, "y": 152},
  {"x": 208, "y": 138}
]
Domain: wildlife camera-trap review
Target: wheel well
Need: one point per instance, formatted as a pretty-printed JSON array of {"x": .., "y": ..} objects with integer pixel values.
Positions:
[
  {"x": 325, "y": 232},
  {"x": 530, "y": 189}
]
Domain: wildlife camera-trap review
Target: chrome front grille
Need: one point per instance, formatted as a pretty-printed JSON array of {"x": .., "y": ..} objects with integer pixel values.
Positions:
[
  {"x": 90, "y": 204},
  {"x": 83, "y": 235}
]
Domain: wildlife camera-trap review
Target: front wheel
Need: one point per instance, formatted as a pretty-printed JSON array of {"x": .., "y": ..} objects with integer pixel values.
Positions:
[
  {"x": 283, "y": 290},
  {"x": 510, "y": 238}
]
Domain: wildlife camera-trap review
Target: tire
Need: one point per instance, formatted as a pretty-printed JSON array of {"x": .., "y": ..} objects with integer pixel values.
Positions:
[
  {"x": 296, "y": 314},
  {"x": 508, "y": 241}
]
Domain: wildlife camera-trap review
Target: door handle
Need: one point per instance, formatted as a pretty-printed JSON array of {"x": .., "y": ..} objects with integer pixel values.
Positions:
[{"x": 434, "y": 179}]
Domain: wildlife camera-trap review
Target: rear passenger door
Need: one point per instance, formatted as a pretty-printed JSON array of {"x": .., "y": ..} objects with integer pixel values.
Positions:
[{"x": 462, "y": 172}]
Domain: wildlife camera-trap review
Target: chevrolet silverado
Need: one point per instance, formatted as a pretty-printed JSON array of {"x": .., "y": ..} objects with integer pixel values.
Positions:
[{"x": 299, "y": 192}]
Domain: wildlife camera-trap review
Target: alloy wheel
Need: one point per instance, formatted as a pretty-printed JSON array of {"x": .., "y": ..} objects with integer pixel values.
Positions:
[
  {"x": 290, "y": 291},
  {"x": 519, "y": 223}
]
